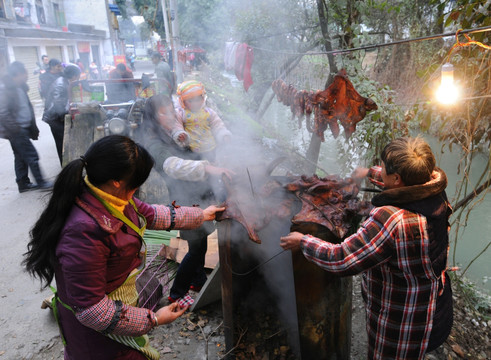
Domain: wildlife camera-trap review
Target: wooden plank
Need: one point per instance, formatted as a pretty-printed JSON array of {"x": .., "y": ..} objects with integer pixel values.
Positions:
[
  {"x": 224, "y": 238},
  {"x": 211, "y": 291},
  {"x": 79, "y": 133}
]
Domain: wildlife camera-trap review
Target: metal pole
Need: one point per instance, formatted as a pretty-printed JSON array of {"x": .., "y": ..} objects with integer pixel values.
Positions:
[
  {"x": 166, "y": 22},
  {"x": 175, "y": 38},
  {"x": 112, "y": 38}
]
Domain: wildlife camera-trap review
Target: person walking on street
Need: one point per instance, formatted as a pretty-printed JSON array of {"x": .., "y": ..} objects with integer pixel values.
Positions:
[
  {"x": 57, "y": 105},
  {"x": 167, "y": 85},
  {"x": 43, "y": 67},
  {"x": 18, "y": 125},
  {"x": 48, "y": 77}
]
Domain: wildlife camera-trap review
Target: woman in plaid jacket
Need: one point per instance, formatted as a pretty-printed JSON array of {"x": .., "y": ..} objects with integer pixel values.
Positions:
[{"x": 401, "y": 251}]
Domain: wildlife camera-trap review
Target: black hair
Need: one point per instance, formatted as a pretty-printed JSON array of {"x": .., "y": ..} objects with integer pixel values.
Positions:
[
  {"x": 121, "y": 67},
  {"x": 151, "y": 122},
  {"x": 113, "y": 157},
  {"x": 156, "y": 54},
  {"x": 54, "y": 62},
  {"x": 42, "y": 57},
  {"x": 16, "y": 68},
  {"x": 71, "y": 71}
]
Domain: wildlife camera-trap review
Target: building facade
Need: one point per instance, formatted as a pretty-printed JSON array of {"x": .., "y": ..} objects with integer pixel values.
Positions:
[{"x": 64, "y": 29}]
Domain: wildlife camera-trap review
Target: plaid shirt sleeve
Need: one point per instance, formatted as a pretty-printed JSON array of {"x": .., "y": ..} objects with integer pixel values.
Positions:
[
  {"x": 370, "y": 246},
  {"x": 186, "y": 218},
  {"x": 375, "y": 176},
  {"x": 130, "y": 321}
]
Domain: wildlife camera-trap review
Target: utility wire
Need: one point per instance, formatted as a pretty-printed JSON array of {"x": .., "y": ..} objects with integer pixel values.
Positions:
[{"x": 375, "y": 46}]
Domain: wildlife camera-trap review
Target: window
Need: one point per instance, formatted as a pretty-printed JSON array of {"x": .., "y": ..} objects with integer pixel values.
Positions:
[
  {"x": 22, "y": 11},
  {"x": 2, "y": 10},
  {"x": 59, "y": 15},
  {"x": 40, "y": 12}
]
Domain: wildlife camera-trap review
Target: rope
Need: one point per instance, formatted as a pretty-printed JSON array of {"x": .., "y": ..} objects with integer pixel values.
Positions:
[{"x": 469, "y": 42}]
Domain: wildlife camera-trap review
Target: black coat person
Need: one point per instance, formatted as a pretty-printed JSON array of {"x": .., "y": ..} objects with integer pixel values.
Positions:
[
  {"x": 49, "y": 77},
  {"x": 57, "y": 105},
  {"x": 18, "y": 125},
  {"x": 190, "y": 181}
]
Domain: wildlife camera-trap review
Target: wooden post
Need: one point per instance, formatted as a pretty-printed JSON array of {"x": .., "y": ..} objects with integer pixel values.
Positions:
[
  {"x": 80, "y": 133},
  {"x": 323, "y": 305},
  {"x": 313, "y": 153},
  {"x": 224, "y": 238}
]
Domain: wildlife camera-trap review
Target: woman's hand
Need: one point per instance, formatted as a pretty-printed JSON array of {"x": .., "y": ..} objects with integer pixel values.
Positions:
[
  {"x": 210, "y": 212},
  {"x": 169, "y": 313},
  {"x": 291, "y": 241},
  {"x": 218, "y": 171}
]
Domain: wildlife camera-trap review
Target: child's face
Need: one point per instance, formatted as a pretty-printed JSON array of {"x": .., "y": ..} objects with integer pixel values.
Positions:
[
  {"x": 166, "y": 117},
  {"x": 194, "y": 104}
]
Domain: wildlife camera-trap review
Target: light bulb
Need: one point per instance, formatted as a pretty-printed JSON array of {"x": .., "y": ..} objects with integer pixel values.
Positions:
[{"x": 447, "y": 93}]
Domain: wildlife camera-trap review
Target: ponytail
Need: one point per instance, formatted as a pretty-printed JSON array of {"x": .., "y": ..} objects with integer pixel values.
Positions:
[{"x": 40, "y": 258}]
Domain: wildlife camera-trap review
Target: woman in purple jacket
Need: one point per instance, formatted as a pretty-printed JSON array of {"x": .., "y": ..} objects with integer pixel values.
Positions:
[{"x": 89, "y": 238}]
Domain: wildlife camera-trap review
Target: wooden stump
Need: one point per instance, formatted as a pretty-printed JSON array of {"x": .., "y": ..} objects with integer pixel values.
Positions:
[{"x": 323, "y": 305}]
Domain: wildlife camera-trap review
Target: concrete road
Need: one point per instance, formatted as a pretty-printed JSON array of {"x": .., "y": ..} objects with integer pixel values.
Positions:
[
  {"x": 25, "y": 329},
  {"x": 143, "y": 66}
]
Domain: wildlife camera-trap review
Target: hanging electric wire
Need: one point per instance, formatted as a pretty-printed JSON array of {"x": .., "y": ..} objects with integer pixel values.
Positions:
[{"x": 376, "y": 46}]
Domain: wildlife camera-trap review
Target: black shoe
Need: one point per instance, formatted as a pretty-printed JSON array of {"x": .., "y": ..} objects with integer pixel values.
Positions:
[
  {"x": 27, "y": 187},
  {"x": 45, "y": 186}
]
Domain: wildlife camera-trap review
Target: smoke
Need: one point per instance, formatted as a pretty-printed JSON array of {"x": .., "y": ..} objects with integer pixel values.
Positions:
[{"x": 249, "y": 157}]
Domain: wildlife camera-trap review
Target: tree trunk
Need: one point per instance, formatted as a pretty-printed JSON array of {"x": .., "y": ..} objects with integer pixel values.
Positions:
[
  {"x": 324, "y": 22},
  {"x": 315, "y": 141}
]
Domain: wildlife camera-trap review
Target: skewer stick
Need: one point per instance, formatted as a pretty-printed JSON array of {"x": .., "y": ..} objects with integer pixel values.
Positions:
[{"x": 250, "y": 182}]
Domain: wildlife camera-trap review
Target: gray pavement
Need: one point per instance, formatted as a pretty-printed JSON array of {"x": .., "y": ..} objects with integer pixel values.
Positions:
[
  {"x": 143, "y": 66},
  {"x": 25, "y": 329}
]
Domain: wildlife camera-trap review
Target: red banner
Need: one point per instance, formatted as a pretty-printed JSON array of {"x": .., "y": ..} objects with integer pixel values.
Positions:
[
  {"x": 119, "y": 59},
  {"x": 83, "y": 47}
]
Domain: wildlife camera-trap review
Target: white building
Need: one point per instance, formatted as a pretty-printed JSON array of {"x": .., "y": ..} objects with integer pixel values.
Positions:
[{"x": 64, "y": 29}]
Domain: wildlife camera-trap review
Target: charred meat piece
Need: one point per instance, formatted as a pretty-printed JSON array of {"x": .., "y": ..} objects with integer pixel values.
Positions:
[
  {"x": 331, "y": 202},
  {"x": 339, "y": 102}
]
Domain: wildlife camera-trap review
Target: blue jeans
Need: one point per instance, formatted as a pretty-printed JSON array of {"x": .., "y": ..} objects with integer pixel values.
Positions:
[
  {"x": 191, "y": 270},
  {"x": 25, "y": 158}
]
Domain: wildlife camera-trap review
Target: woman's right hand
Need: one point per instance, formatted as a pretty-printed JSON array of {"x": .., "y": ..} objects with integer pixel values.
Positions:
[
  {"x": 209, "y": 213},
  {"x": 218, "y": 171},
  {"x": 169, "y": 313}
]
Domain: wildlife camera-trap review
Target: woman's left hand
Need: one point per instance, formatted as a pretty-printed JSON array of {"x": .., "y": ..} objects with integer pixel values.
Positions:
[
  {"x": 210, "y": 212},
  {"x": 169, "y": 313},
  {"x": 291, "y": 241}
]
